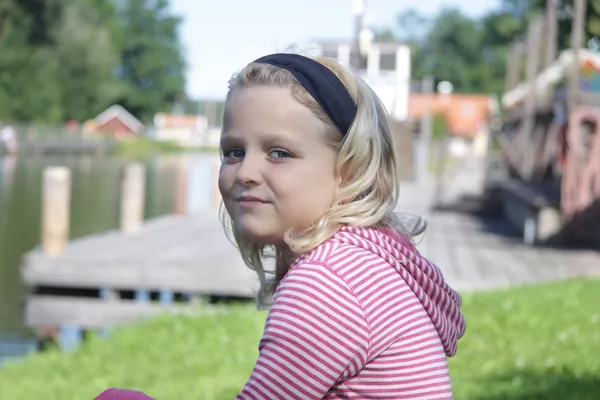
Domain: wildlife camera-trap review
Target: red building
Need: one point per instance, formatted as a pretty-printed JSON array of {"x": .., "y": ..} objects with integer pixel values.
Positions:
[{"x": 118, "y": 122}]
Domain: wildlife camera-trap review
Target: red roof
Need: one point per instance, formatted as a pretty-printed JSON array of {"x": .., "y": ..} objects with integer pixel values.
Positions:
[{"x": 465, "y": 114}]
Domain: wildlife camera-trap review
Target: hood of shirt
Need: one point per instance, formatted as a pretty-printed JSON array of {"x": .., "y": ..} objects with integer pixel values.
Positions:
[{"x": 440, "y": 301}]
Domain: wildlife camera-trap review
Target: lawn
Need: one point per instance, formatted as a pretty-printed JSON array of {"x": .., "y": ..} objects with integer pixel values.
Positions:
[
  {"x": 529, "y": 343},
  {"x": 143, "y": 147}
]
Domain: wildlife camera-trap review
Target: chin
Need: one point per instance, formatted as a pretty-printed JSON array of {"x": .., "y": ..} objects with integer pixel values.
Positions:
[{"x": 259, "y": 233}]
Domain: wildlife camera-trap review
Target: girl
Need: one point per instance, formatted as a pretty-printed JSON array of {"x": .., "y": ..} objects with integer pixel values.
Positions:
[
  {"x": 309, "y": 172},
  {"x": 309, "y": 175}
]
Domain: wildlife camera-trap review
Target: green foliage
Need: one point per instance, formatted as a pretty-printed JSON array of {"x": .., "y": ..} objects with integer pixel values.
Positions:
[
  {"x": 208, "y": 356},
  {"x": 439, "y": 127},
  {"x": 151, "y": 59},
  {"x": 63, "y": 59},
  {"x": 140, "y": 148},
  {"x": 525, "y": 343},
  {"x": 531, "y": 343},
  {"x": 472, "y": 52},
  {"x": 593, "y": 18},
  {"x": 143, "y": 147}
]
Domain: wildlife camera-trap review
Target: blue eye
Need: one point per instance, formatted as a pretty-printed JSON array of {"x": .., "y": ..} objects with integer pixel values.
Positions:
[
  {"x": 234, "y": 153},
  {"x": 280, "y": 154}
]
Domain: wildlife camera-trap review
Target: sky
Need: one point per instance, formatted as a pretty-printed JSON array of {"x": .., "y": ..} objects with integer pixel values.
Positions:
[{"x": 221, "y": 36}]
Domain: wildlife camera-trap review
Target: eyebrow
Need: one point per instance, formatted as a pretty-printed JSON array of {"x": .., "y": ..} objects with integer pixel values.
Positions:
[{"x": 267, "y": 137}]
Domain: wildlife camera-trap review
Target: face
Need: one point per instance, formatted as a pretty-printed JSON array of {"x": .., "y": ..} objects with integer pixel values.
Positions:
[{"x": 277, "y": 171}]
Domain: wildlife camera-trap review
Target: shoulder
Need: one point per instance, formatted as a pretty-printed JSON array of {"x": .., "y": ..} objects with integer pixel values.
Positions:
[
  {"x": 314, "y": 295},
  {"x": 322, "y": 279},
  {"x": 315, "y": 278},
  {"x": 345, "y": 256}
]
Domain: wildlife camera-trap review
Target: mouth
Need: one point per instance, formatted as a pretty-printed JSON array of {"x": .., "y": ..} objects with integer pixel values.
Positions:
[{"x": 250, "y": 200}]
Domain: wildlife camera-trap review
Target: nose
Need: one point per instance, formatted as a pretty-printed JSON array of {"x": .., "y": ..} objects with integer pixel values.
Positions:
[{"x": 249, "y": 172}]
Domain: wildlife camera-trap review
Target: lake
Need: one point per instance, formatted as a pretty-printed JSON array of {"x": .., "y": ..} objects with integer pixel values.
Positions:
[{"x": 95, "y": 202}]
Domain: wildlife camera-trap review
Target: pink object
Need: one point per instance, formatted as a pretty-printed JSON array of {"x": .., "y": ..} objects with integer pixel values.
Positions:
[
  {"x": 123, "y": 394},
  {"x": 363, "y": 315}
]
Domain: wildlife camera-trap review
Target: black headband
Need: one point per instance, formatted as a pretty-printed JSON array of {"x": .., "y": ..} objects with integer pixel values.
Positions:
[{"x": 322, "y": 84}]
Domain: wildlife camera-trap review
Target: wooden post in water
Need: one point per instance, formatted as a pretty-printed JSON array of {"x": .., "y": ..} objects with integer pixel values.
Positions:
[
  {"x": 132, "y": 199},
  {"x": 211, "y": 114},
  {"x": 132, "y": 210},
  {"x": 56, "y": 205},
  {"x": 216, "y": 194},
  {"x": 182, "y": 184}
]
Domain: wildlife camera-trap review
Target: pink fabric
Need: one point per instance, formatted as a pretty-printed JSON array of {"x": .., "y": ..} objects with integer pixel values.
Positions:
[
  {"x": 122, "y": 394},
  {"x": 363, "y": 316}
]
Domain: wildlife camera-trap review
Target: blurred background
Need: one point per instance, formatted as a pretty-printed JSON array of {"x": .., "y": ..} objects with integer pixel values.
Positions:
[{"x": 110, "y": 116}]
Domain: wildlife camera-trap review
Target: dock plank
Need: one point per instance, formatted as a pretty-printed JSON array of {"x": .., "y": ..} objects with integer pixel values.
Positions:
[
  {"x": 94, "y": 313},
  {"x": 185, "y": 254}
]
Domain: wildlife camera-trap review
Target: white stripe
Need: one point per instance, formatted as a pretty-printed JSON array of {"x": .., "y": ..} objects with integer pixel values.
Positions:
[
  {"x": 312, "y": 337},
  {"x": 405, "y": 389},
  {"x": 297, "y": 372},
  {"x": 285, "y": 313},
  {"x": 400, "y": 361},
  {"x": 412, "y": 316},
  {"x": 406, "y": 372},
  {"x": 404, "y": 295},
  {"x": 330, "y": 305},
  {"x": 377, "y": 280},
  {"x": 271, "y": 381},
  {"x": 423, "y": 379}
]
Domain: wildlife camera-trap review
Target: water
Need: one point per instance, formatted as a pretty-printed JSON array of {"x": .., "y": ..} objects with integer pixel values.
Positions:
[{"x": 95, "y": 200}]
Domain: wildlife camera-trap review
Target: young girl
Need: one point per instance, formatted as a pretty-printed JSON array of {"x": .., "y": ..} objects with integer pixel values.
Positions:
[{"x": 309, "y": 174}]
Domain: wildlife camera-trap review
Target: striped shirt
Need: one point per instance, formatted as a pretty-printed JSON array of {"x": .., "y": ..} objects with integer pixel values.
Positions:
[{"x": 362, "y": 316}]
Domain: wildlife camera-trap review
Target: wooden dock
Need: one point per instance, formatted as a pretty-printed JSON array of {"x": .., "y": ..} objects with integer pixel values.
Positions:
[
  {"x": 117, "y": 278},
  {"x": 31, "y": 139},
  {"x": 136, "y": 271},
  {"x": 66, "y": 146}
]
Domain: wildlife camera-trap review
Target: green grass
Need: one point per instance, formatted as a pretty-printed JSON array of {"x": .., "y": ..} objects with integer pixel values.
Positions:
[
  {"x": 143, "y": 147},
  {"x": 529, "y": 343},
  {"x": 202, "y": 357}
]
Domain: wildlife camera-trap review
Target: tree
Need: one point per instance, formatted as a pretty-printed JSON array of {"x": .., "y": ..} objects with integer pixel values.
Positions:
[
  {"x": 411, "y": 28},
  {"x": 87, "y": 56},
  {"x": 27, "y": 67},
  {"x": 471, "y": 53},
  {"x": 524, "y": 10},
  {"x": 62, "y": 59},
  {"x": 452, "y": 51},
  {"x": 152, "y": 64}
]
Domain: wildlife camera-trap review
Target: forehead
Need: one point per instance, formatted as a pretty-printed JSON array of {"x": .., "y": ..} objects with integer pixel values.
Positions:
[{"x": 271, "y": 110}]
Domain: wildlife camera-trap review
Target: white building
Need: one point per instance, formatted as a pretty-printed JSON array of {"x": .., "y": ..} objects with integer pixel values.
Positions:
[{"x": 387, "y": 71}]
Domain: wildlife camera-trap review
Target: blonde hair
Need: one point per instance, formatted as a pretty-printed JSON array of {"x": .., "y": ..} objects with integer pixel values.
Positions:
[{"x": 366, "y": 156}]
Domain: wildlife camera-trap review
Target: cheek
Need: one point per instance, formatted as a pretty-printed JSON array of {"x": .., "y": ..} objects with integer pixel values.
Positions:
[
  {"x": 307, "y": 193},
  {"x": 225, "y": 180}
]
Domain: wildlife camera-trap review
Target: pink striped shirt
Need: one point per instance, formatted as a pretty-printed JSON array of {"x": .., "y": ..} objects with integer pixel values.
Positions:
[{"x": 363, "y": 316}]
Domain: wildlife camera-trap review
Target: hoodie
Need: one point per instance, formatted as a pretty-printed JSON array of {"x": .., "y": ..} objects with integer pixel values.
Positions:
[
  {"x": 364, "y": 315},
  {"x": 425, "y": 279}
]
